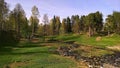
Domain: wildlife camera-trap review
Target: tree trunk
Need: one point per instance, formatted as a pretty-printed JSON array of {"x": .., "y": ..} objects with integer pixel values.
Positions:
[
  {"x": 89, "y": 31},
  {"x": 94, "y": 31},
  {"x": 32, "y": 31},
  {"x": 18, "y": 25},
  {"x": 44, "y": 32},
  {"x": 108, "y": 33},
  {"x": 18, "y": 30}
]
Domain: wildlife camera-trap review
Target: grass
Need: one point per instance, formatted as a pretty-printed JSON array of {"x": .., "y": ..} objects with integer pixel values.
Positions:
[
  {"x": 90, "y": 51},
  {"x": 37, "y": 56},
  {"x": 91, "y": 47},
  {"x": 83, "y": 39},
  {"x": 43, "y": 55}
]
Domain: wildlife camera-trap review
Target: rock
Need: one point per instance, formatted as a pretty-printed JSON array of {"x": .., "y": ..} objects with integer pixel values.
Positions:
[
  {"x": 109, "y": 66},
  {"x": 75, "y": 45},
  {"x": 98, "y": 38},
  {"x": 64, "y": 51},
  {"x": 90, "y": 66},
  {"x": 105, "y": 61}
]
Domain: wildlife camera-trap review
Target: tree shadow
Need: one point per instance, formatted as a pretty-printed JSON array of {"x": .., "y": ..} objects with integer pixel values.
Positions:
[{"x": 9, "y": 52}]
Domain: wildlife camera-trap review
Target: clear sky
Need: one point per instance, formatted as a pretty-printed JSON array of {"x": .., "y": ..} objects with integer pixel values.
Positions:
[{"x": 65, "y": 8}]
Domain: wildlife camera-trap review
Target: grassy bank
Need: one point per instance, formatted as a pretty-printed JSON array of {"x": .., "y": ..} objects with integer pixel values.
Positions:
[
  {"x": 83, "y": 39},
  {"x": 33, "y": 55}
]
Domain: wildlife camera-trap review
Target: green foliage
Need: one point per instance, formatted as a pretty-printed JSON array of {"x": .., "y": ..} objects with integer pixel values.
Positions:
[
  {"x": 116, "y": 21},
  {"x": 34, "y": 21},
  {"x": 34, "y": 24},
  {"x": 40, "y": 30},
  {"x": 113, "y": 23},
  {"x": 68, "y": 25},
  {"x": 8, "y": 37},
  {"x": 55, "y": 25},
  {"x": 63, "y": 28},
  {"x": 19, "y": 19},
  {"x": 3, "y": 14},
  {"x": 99, "y": 21},
  {"x": 93, "y": 22},
  {"x": 58, "y": 24},
  {"x": 76, "y": 24}
]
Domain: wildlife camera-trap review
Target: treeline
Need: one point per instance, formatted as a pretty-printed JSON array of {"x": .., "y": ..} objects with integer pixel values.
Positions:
[{"x": 15, "y": 25}]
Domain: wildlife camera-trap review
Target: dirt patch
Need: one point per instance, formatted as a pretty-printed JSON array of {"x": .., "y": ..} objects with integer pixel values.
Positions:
[
  {"x": 16, "y": 64},
  {"x": 82, "y": 64},
  {"x": 35, "y": 40},
  {"x": 116, "y": 48},
  {"x": 86, "y": 48}
]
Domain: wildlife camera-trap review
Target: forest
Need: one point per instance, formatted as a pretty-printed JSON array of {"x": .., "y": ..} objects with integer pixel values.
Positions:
[{"x": 82, "y": 35}]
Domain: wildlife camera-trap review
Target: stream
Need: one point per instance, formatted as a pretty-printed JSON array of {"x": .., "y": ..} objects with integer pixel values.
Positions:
[{"x": 104, "y": 61}]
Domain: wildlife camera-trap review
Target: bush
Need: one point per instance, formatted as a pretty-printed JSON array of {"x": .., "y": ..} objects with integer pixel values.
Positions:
[{"x": 8, "y": 37}]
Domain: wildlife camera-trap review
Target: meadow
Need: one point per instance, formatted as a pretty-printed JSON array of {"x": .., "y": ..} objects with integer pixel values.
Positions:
[{"x": 43, "y": 54}]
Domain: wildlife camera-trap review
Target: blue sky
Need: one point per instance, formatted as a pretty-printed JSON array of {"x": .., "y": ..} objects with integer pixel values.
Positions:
[{"x": 65, "y": 8}]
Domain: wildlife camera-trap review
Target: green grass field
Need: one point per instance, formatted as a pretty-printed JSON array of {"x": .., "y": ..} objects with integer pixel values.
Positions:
[
  {"x": 83, "y": 39},
  {"x": 42, "y": 55},
  {"x": 32, "y": 55}
]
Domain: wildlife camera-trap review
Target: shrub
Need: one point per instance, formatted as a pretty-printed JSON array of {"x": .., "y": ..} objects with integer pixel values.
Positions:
[{"x": 8, "y": 37}]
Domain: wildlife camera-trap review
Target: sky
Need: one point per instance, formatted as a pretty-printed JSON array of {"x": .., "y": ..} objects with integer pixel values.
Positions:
[{"x": 65, "y": 8}]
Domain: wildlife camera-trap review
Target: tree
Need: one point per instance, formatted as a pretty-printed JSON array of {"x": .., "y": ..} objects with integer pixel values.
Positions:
[
  {"x": 52, "y": 27},
  {"x": 34, "y": 20},
  {"x": 98, "y": 20},
  {"x": 34, "y": 24},
  {"x": 82, "y": 25},
  {"x": 72, "y": 23},
  {"x": 68, "y": 25},
  {"x": 63, "y": 28},
  {"x": 41, "y": 30},
  {"x": 24, "y": 28},
  {"x": 19, "y": 16},
  {"x": 6, "y": 35},
  {"x": 46, "y": 22},
  {"x": 113, "y": 23},
  {"x": 90, "y": 23},
  {"x": 57, "y": 25},
  {"x": 12, "y": 23},
  {"x": 77, "y": 25},
  {"x": 93, "y": 23},
  {"x": 116, "y": 21},
  {"x": 109, "y": 25},
  {"x": 3, "y": 13},
  {"x": 45, "y": 27}
]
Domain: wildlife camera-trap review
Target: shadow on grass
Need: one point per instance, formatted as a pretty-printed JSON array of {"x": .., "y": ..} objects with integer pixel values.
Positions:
[
  {"x": 30, "y": 46},
  {"x": 70, "y": 37},
  {"x": 26, "y": 53},
  {"x": 7, "y": 47},
  {"x": 11, "y": 50}
]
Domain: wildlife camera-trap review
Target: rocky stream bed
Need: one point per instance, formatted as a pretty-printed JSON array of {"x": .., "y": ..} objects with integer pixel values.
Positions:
[{"x": 104, "y": 61}]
